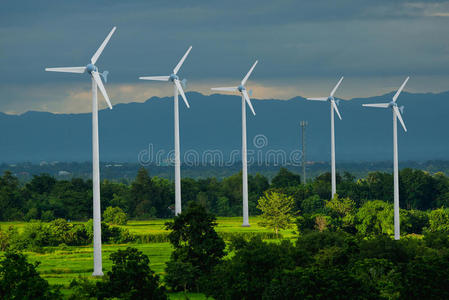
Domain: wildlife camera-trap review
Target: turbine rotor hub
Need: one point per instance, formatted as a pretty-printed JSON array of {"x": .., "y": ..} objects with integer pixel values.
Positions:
[
  {"x": 241, "y": 88},
  {"x": 91, "y": 68},
  {"x": 173, "y": 77}
]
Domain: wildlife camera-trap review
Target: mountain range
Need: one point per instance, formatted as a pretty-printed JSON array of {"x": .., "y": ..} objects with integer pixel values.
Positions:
[{"x": 130, "y": 132}]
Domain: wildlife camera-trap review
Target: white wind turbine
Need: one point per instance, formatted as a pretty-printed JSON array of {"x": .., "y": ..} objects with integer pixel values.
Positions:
[
  {"x": 396, "y": 115},
  {"x": 92, "y": 69},
  {"x": 245, "y": 98},
  {"x": 177, "y": 88},
  {"x": 333, "y": 104}
]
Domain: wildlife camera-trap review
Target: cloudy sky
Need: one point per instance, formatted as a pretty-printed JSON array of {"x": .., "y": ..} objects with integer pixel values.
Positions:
[{"x": 302, "y": 47}]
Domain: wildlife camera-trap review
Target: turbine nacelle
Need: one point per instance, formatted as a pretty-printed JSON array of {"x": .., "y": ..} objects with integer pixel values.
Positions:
[
  {"x": 241, "y": 88},
  {"x": 331, "y": 98},
  {"x": 91, "y": 68},
  {"x": 173, "y": 77}
]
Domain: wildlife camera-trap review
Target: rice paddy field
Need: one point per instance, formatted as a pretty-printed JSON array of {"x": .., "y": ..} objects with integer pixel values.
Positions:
[{"x": 59, "y": 266}]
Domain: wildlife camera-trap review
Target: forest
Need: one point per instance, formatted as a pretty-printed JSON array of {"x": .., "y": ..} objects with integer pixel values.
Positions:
[{"x": 46, "y": 198}]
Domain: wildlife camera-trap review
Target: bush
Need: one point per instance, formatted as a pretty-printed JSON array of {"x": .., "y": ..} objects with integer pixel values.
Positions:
[
  {"x": 7, "y": 237},
  {"x": 37, "y": 235},
  {"x": 181, "y": 275},
  {"x": 115, "y": 216},
  {"x": 20, "y": 280},
  {"x": 318, "y": 283},
  {"x": 250, "y": 270},
  {"x": 152, "y": 238},
  {"x": 130, "y": 278},
  {"x": 439, "y": 220},
  {"x": 110, "y": 234}
]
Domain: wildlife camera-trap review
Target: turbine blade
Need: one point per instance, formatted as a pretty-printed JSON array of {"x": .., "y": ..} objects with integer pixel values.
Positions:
[
  {"x": 225, "y": 89},
  {"x": 158, "y": 78},
  {"x": 318, "y": 99},
  {"x": 67, "y": 69},
  {"x": 395, "y": 97},
  {"x": 381, "y": 105},
  {"x": 336, "y": 87},
  {"x": 105, "y": 42},
  {"x": 249, "y": 73},
  {"x": 245, "y": 95},
  {"x": 178, "y": 86},
  {"x": 398, "y": 114},
  {"x": 100, "y": 85},
  {"x": 178, "y": 66},
  {"x": 336, "y": 108}
]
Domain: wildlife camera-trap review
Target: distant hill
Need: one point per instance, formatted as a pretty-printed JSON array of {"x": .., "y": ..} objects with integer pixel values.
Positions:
[{"x": 214, "y": 123}]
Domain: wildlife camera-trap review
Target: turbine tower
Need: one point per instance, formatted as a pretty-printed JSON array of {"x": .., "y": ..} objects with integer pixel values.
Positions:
[
  {"x": 396, "y": 115},
  {"x": 245, "y": 98},
  {"x": 92, "y": 69},
  {"x": 177, "y": 88},
  {"x": 333, "y": 104},
  {"x": 303, "y": 125}
]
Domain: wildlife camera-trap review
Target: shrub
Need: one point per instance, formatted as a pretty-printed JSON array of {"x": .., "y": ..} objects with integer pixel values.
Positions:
[
  {"x": 130, "y": 278},
  {"x": 115, "y": 216},
  {"x": 7, "y": 237},
  {"x": 109, "y": 233},
  {"x": 439, "y": 220},
  {"x": 20, "y": 280}
]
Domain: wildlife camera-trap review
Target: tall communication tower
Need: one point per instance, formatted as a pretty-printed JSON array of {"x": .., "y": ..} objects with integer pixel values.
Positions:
[{"x": 303, "y": 125}]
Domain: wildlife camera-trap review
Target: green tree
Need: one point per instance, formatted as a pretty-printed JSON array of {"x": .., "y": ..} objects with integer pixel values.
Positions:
[
  {"x": 417, "y": 189},
  {"x": 375, "y": 217},
  {"x": 439, "y": 220},
  {"x": 19, "y": 279},
  {"x": 10, "y": 200},
  {"x": 312, "y": 204},
  {"x": 277, "y": 210},
  {"x": 284, "y": 178},
  {"x": 115, "y": 216},
  {"x": 141, "y": 200},
  {"x": 342, "y": 210},
  {"x": 319, "y": 283},
  {"x": 130, "y": 278},
  {"x": 340, "y": 207},
  {"x": 196, "y": 244},
  {"x": 250, "y": 270}
]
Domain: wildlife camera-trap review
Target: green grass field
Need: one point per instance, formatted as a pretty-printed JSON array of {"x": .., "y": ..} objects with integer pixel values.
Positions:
[{"x": 63, "y": 265}]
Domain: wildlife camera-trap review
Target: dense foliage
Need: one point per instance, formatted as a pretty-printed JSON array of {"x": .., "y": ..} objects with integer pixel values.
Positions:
[
  {"x": 20, "y": 280},
  {"x": 197, "y": 247},
  {"x": 332, "y": 265},
  {"x": 46, "y": 198},
  {"x": 59, "y": 232}
]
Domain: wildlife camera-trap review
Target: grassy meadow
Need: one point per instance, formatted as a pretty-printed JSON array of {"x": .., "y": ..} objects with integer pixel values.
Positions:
[{"x": 60, "y": 265}]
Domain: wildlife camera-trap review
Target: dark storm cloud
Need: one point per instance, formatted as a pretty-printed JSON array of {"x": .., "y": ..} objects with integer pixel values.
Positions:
[{"x": 292, "y": 39}]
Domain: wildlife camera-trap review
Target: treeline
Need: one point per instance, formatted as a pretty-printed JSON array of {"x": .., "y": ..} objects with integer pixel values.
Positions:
[
  {"x": 46, "y": 198},
  {"x": 318, "y": 263}
]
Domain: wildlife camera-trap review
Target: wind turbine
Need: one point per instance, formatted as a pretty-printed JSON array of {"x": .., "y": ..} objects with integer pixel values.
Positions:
[
  {"x": 92, "y": 69},
  {"x": 333, "y": 104},
  {"x": 177, "y": 88},
  {"x": 396, "y": 115},
  {"x": 245, "y": 98}
]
